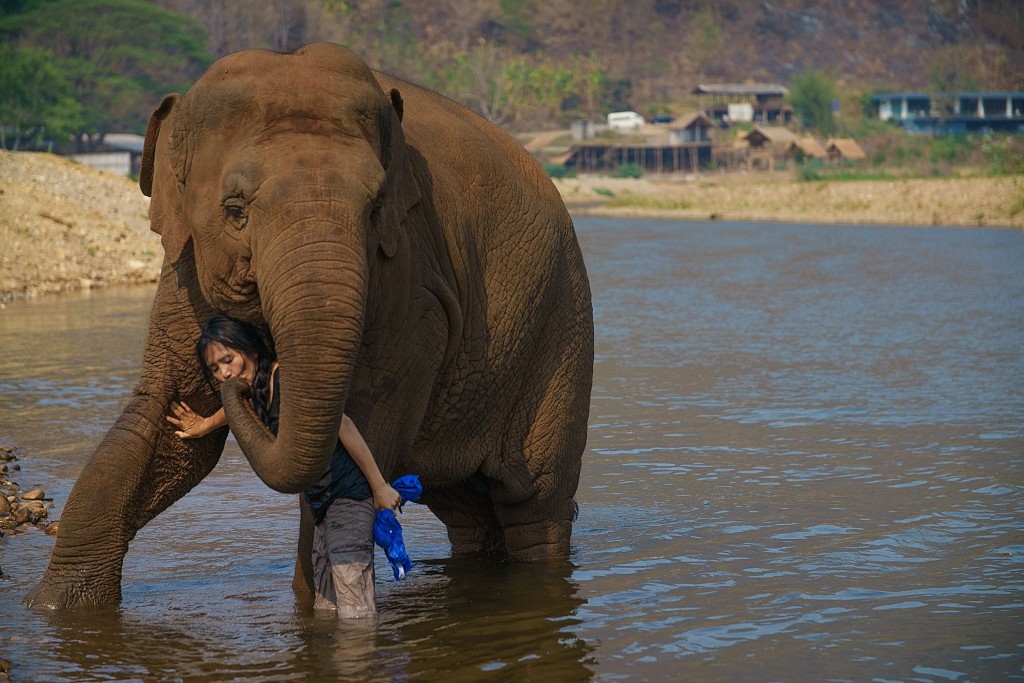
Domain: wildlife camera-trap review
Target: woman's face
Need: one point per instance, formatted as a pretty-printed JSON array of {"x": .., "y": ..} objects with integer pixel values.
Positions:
[{"x": 225, "y": 362}]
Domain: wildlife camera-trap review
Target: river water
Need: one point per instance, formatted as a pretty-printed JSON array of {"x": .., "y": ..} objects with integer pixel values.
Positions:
[{"x": 804, "y": 463}]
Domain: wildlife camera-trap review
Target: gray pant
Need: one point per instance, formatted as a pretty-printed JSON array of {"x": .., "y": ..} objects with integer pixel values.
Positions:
[{"x": 343, "y": 559}]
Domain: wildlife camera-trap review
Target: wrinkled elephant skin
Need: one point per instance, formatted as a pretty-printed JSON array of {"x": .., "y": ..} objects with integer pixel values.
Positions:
[{"x": 414, "y": 267}]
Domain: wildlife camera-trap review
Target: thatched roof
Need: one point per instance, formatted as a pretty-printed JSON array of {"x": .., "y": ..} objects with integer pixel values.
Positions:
[
  {"x": 697, "y": 117},
  {"x": 777, "y": 136},
  {"x": 810, "y": 147},
  {"x": 845, "y": 148}
]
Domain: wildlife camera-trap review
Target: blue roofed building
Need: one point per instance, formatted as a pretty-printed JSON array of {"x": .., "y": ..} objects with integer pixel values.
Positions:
[{"x": 960, "y": 112}]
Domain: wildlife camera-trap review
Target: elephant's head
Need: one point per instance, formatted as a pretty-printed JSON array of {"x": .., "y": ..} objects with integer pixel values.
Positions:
[{"x": 287, "y": 172}]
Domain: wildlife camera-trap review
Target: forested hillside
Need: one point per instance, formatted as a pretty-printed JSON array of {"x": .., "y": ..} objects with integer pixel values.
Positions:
[
  {"x": 652, "y": 47},
  {"x": 523, "y": 63}
]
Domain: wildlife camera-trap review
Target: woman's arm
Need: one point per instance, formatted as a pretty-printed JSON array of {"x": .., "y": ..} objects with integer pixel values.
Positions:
[
  {"x": 384, "y": 496},
  {"x": 191, "y": 425}
]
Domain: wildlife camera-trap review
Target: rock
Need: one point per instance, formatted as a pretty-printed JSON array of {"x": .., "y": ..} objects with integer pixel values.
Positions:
[
  {"x": 34, "y": 494},
  {"x": 52, "y": 528},
  {"x": 27, "y": 515},
  {"x": 5, "y": 506}
]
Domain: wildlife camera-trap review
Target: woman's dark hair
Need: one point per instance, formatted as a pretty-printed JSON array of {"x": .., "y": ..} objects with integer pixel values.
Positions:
[{"x": 241, "y": 336}]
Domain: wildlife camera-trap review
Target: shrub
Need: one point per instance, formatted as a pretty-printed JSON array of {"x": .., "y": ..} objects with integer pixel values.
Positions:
[
  {"x": 1004, "y": 157},
  {"x": 628, "y": 171},
  {"x": 811, "y": 170},
  {"x": 559, "y": 171},
  {"x": 949, "y": 149}
]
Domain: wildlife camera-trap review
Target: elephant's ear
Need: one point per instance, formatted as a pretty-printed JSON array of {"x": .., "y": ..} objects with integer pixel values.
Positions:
[
  {"x": 401, "y": 192},
  {"x": 397, "y": 103},
  {"x": 158, "y": 181}
]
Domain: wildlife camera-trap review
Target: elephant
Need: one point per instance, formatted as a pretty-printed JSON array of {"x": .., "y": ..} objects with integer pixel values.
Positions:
[{"x": 415, "y": 269}]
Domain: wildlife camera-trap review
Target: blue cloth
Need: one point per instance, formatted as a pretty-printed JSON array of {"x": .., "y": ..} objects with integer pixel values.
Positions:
[
  {"x": 409, "y": 488},
  {"x": 387, "y": 532}
]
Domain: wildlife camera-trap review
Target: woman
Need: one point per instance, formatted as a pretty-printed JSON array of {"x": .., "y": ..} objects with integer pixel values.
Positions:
[{"x": 345, "y": 499}]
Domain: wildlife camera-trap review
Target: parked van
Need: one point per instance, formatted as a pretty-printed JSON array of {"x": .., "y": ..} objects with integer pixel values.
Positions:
[{"x": 625, "y": 120}]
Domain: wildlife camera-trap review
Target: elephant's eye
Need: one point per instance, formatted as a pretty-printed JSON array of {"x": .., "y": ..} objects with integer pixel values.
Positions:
[{"x": 234, "y": 211}]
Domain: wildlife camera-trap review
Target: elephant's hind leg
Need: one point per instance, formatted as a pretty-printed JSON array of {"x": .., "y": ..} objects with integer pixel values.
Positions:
[
  {"x": 533, "y": 484},
  {"x": 468, "y": 513}
]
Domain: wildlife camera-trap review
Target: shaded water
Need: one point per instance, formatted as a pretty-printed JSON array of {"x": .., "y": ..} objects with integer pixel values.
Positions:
[{"x": 804, "y": 463}]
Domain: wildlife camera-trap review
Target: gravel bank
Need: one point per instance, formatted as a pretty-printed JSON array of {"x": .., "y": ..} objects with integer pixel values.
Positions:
[{"x": 64, "y": 226}]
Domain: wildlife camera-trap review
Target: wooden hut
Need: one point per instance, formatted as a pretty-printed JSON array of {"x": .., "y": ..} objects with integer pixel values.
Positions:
[
  {"x": 844, "y": 148},
  {"x": 766, "y": 145},
  {"x": 809, "y": 147},
  {"x": 695, "y": 127}
]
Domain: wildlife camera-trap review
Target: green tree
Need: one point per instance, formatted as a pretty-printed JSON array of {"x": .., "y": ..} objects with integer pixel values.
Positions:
[
  {"x": 119, "y": 56},
  {"x": 811, "y": 94},
  {"x": 37, "y": 104}
]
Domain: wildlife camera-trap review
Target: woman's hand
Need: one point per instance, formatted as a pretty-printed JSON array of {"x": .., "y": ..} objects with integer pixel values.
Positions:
[
  {"x": 190, "y": 424},
  {"x": 385, "y": 497}
]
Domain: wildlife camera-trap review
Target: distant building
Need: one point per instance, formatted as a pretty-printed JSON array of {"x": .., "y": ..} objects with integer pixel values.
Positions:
[
  {"x": 961, "y": 112},
  {"x": 844, "y": 148},
  {"x": 120, "y": 153},
  {"x": 761, "y": 102},
  {"x": 687, "y": 149},
  {"x": 809, "y": 147},
  {"x": 696, "y": 127},
  {"x": 767, "y": 145}
]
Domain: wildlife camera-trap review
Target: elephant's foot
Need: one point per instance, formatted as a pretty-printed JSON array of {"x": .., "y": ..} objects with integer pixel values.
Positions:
[
  {"x": 537, "y": 541},
  {"x": 471, "y": 540},
  {"x": 468, "y": 514},
  {"x": 59, "y": 594}
]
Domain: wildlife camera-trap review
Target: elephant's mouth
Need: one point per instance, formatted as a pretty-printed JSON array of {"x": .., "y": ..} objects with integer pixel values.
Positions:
[{"x": 238, "y": 292}]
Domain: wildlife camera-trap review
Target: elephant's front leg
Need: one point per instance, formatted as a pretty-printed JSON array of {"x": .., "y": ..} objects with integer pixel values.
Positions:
[
  {"x": 141, "y": 467},
  {"x": 138, "y": 471}
]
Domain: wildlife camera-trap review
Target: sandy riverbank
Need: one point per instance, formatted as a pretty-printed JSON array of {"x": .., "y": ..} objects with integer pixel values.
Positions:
[
  {"x": 64, "y": 226},
  {"x": 984, "y": 201}
]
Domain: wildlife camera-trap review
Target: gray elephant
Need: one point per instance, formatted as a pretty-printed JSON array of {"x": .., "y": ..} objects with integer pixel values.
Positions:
[{"x": 415, "y": 269}]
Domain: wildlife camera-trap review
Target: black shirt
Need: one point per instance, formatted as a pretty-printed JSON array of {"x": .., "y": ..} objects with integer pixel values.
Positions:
[{"x": 343, "y": 478}]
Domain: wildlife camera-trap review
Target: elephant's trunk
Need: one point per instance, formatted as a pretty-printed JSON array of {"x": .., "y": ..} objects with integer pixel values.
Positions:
[{"x": 313, "y": 294}]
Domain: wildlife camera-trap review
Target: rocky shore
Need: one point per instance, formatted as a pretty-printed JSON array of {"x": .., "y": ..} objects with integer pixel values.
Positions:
[
  {"x": 20, "y": 510},
  {"x": 64, "y": 226}
]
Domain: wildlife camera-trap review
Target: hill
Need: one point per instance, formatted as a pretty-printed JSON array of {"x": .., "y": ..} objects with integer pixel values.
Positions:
[{"x": 650, "y": 51}]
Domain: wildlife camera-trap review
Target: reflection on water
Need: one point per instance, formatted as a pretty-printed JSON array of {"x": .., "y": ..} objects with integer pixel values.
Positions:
[{"x": 804, "y": 463}]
